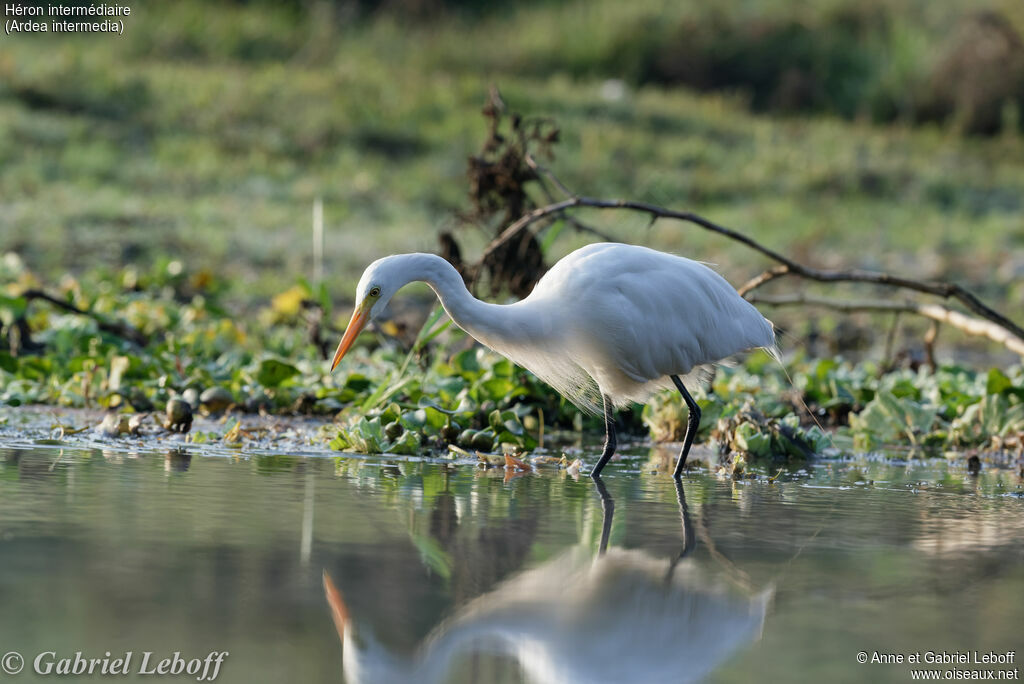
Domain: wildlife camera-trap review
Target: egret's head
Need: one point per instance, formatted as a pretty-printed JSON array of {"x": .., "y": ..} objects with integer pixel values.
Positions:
[
  {"x": 380, "y": 281},
  {"x": 364, "y": 659}
]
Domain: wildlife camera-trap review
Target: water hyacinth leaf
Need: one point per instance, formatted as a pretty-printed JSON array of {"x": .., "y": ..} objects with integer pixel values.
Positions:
[
  {"x": 448, "y": 389},
  {"x": 414, "y": 421},
  {"x": 919, "y": 418},
  {"x": 8, "y": 363},
  {"x": 904, "y": 388},
  {"x": 467, "y": 364},
  {"x": 496, "y": 389},
  {"x": 792, "y": 443},
  {"x": 365, "y": 436},
  {"x": 993, "y": 416},
  {"x": 12, "y": 308},
  {"x": 887, "y": 419},
  {"x": 425, "y": 402},
  {"x": 497, "y": 419},
  {"x": 406, "y": 444},
  {"x": 391, "y": 413},
  {"x": 506, "y": 437},
  {"x": 273, "y": 372},
  {"x": 503, "y": 368},
  {"x": 997, "y": 382},
  {"x": 435, "y": 419},
  {"x": 357, "y": 382},
  {"x": 513, "y": 425},
  {"x": 35, "y": 368},
  {"x": 750, "y": 439},
  {"x": 328, "y": 405},
  {"x": 370, "y": 429}
]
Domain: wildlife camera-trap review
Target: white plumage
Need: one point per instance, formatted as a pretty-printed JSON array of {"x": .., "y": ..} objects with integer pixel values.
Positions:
[
  {"x": 608, "y": 324},
  {"x": 630, "y": 317},
  {"x": 623, "y": 616}
]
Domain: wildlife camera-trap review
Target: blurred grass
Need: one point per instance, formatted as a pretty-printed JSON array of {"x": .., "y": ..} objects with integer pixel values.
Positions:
[{"x": 206, "y": 131}]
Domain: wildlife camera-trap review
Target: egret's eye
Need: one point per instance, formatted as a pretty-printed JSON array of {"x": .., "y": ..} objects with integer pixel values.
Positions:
[{"x": 375, "y": 292}]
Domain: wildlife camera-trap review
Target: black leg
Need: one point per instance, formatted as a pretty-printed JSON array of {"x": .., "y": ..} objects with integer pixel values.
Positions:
[
  {"x": 689, "y": 541},
  {"x": 692, "y": 423},
  {"x": 607, "y": 514},
  {"x": 609, "y": 437}
]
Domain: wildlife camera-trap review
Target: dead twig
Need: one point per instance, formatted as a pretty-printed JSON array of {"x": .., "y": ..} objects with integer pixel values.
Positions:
[
  {"x": 544, "y": 173},
  {"x": 118, "y": 328},
  {"x": 759, "y": 280},
  {"x": 929, "y": 345},
  {"x": 786, "y": 265},
  {"x": 936, "y": 312}
]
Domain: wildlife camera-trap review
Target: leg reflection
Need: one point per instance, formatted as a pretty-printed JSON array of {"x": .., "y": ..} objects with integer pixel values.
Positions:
[{"x": 607, "y": 513}]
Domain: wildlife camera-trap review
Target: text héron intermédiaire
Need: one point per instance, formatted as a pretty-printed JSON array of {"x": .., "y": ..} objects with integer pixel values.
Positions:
[{"x": 25, "y": 18}]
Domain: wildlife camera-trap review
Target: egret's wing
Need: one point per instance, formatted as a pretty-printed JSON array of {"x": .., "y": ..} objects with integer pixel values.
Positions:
[{"x": 652, "y": 314}]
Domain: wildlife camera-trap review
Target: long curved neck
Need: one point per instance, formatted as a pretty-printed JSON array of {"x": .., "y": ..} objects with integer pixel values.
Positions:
[{"x": 494, "y": 325}]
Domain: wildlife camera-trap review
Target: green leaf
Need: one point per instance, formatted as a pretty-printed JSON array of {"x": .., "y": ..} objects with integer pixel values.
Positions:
[
  {"x": 391, "y": 413},
  {"x": 407, "y": 444},
  {"x": 272, "y": 372},
  {"x": 506, "y": 437},
  {"x": 357, "y": 382},
  {"x": 424, "y": 402},
  {"x": 467, "y": 364},
  {"x": 8, "y": 363},
  {"x": 997, "y": 382},
  {"x": 551, "y": 235},
  {"x": 433, "y": 418},
  {"x": 12, "y": 308},
  {"x": 497, "y": 389}
]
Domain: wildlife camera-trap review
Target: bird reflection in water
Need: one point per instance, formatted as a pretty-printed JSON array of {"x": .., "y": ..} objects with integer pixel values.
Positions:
[{"x": 622, "y": 615}]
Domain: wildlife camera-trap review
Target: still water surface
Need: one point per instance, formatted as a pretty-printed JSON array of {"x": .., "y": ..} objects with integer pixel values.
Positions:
[{"x": 451, "y": 573}]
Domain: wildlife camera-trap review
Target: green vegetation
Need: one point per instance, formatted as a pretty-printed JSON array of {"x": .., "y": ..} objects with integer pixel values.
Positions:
[
  {"x": 441, "y": 392},
  {"x": 193, "y": 148},
  {"x": 206, "y": 132}
]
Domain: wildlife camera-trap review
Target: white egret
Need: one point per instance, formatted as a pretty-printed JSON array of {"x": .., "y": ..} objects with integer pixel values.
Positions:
[
  {"x": 623, "y": 616},
  {"x": 620, "y": 616},
  {"x": 607, "y": 325}
]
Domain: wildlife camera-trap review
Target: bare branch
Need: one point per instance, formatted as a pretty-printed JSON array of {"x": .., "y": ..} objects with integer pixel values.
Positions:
[
  {"x": 543, "y": 173},
  {"x": 929, "y": 345},
  {"x": 118, "y": 328},
  {"x": 939, "y": 289},
  {"x": 767, "y": 276},
  {"x": 936, "y": 312}
]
